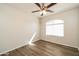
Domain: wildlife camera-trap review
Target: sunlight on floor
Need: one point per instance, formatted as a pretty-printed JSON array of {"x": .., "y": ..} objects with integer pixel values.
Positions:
[{"x": 31, "y": 44}]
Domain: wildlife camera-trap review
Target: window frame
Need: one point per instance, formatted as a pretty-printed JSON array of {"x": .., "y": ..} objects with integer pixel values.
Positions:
[{"x": 61, "y": 35}]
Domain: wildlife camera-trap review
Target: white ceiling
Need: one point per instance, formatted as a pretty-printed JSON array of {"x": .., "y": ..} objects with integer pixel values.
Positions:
[{"x": 29, "y": 7}]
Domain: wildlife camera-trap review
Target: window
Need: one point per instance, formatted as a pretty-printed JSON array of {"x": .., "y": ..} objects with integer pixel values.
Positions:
[{"x": 55, "y": 28}]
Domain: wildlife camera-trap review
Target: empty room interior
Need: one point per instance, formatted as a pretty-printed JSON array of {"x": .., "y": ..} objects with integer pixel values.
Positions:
[{"x": 39, "y": 29}]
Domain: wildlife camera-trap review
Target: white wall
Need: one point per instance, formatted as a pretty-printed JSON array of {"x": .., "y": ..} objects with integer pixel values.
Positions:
[
  {"x": 16, "y": 28},
  {"x": 71, "y": 25}
]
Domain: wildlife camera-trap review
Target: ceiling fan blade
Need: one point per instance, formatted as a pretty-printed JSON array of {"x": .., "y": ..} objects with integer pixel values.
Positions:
[
  {"x": 38, "y": 5},
  {"x": 35, "y": 11},
  {"x": 51, "y": 5},
  {"x": 42, "y": 5},
  {"x": 49, "y": 11}
]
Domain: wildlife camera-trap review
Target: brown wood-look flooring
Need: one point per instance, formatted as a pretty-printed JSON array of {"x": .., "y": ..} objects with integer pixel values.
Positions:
[{"x": 43, "y": 48}]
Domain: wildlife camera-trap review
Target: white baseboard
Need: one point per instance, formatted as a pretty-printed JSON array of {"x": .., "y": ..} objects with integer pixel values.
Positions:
[
  {"x": 11, "y": 49},
  {"x": 4, "y": 52},
  {"x": 62, "y": 44}
]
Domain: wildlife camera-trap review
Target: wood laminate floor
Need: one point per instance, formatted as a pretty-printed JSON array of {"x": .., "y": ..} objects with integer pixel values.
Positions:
[{"x": 43, "y": 48}]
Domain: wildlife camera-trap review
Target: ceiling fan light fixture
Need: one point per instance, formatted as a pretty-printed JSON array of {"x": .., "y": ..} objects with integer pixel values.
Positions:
[
  {"x": 43, "y": 8},
  {"x": 43, "y": 12}
]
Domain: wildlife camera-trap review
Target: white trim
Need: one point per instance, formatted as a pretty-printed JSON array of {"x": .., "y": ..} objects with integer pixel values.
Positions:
[{"x": 4, "y": 52}]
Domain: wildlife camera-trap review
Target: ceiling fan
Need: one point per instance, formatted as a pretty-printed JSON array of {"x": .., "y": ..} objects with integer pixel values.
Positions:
[{"x": 43, "y": 8}]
